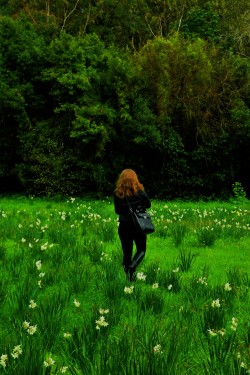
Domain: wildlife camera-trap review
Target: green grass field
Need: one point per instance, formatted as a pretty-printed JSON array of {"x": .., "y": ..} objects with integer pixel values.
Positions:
[{"x": 66, "y": 306}]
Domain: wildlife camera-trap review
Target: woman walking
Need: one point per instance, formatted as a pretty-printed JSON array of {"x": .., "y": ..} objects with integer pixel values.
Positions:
[{"x": 130, "y": 192}]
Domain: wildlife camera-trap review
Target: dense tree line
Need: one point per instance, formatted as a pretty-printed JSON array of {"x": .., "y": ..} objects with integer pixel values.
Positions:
[{"x": 88, "y": 88}]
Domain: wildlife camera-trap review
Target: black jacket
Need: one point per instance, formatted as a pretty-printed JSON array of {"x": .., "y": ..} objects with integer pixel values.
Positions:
[{"x": 140, "y": 202}]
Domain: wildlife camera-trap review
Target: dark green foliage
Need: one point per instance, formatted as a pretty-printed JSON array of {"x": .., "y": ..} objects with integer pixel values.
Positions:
[
  {"x": 202, "y": 22},
  {"x": 88, "y": 89}
]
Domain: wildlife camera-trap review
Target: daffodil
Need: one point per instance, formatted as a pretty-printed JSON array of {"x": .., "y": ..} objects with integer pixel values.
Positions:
[
  {"x": 32, "y": 329},
  {"x": 17, "y": 351},
  {"x": 103, "y": 311},
  {"x": 227, "y": 287},
  {"x": 141, "y": 276},
  {"x": 76, "y": 303},
  {"x": 39, "y": 264},
  {"x": 32, "y": 304},
  {"x": 67, "y": 335},
  {"x": 157, "y": 348},
  {"x": 155, "y": 286},
  {"x": 216, "y": 303},
  {"x": 49, "y": 362},
  {"x": 129, "y": 290}
]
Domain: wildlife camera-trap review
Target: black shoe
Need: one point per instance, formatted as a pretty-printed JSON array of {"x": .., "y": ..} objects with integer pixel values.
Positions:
[{"x": 132, "y": 275}]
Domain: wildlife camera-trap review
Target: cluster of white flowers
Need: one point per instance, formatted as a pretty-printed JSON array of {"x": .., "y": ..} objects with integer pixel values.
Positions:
[
  {"x": 103, "y": 311},
  {"x": 49, "y": 362},
  {"x": 30, "y": 329},
  {"x": 17, "y": 351},
  {"x": 141, "y": 276},
  {"x": 234, "y": 324},
  {"x": 129, "y": 290},
  {"x": 94, "y": 217},
  {"x": 220, "y": 332},
  {"x": 202, "y": 280},
  {"x": 46, "y": 245},
  {"x": 216, "y": 303},
  {"x": 101, "y": 322},
  {"x": 42, "y": 274},
  {"x": 170, "y": 286},
  {"x": 227, "y": 287},
  {"x": 32, "y": 304},
  {"x": 243, "y": 364},
  {"x": 3, "y": 214},
  {"x": 3, "y": 360},
  {"x": 63, "y": 215},
  {"x": 104, "y": 255}
]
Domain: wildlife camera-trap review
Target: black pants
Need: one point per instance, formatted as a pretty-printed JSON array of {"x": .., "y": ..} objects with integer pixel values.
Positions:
[{"x": 128, "y": 235}]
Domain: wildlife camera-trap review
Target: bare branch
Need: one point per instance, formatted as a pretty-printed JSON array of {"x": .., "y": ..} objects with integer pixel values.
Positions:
[{"x": 69, "y": 14}]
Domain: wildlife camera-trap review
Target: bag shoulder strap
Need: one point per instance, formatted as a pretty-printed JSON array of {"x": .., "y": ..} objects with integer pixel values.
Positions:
[{"x": 129, "y": 205}]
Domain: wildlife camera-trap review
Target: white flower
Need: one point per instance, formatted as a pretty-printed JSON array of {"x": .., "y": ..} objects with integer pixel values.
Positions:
[
  {"x": 63, "y": 369},
  {"x": 101, "y": 322},
  {"x": 30, "y": 244},
  {"x": 3, "y": 360},
  {"x": 176, "y": 270},
  {"x": 141, "y": 276},
  {"x": 32, "y": 304},
  {"x": 170, "y": 286},
  {"x": 49, "y": 362},
  {"x": 227, "y": 287},
  {"x": 129, "y": 290},
  {"x": 155, "y": 286},
  {"x": 216, "y": 303},
  {"x": 42, "y": 274},
  {"x": 44, "y": 246},
  {"x": 39, "y": 283},
  {"x": 157, "y": 348},
  {"x": 39, "y": 264},
  {"x": 234, "y": 324},
  {"x": 243, "y": 365},
  {"x": 32, "y": 329},
  {"x": 222, "y": 332},
  {"x": 4, "y": 357},
  {"x": 212, "y": 332},
  {"x": 67, "y": 335},
  {"x": 23, "y": 240},
  {"x": 202, "y": 280},
  {"x": 103, "y": 311},
  {"x": 26, "y": 324},
  {"x": 17, "y": 351},
  {"x": 76, "y": 303}
]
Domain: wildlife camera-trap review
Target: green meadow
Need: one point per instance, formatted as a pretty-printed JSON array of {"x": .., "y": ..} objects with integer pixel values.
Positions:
[{"x": 67, "y": 307}]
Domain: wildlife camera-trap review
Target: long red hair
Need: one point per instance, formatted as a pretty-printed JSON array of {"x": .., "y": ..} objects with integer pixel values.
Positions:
[{"x": 127, "y": 184}]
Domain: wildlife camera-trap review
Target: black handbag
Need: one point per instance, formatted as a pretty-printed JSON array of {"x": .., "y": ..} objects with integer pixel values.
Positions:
[{"x": 142, "y": 220}]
